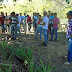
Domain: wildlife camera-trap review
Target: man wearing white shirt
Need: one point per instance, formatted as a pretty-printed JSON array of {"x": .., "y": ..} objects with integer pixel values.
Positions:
[
  {"x": 18, "y": 25},
  {"x": 45, "y": 27}
]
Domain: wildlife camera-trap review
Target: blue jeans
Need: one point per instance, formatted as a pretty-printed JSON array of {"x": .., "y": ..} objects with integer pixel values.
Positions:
[
  {"x": 45, "y": 35},
  {"x": 18, "y": 29},
  {"x": 2, "y": 25},
  {"x": 14, "y": 31},
  {"x": 69, "y": 55},
  {"x": 54, "y": 30},
  {"x": 39, "y": 30}
]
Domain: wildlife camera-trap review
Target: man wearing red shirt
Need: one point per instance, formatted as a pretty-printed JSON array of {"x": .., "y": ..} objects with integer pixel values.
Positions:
[
  {"x": 29, "y": 22},
  {"x": 2, "y": 22}
]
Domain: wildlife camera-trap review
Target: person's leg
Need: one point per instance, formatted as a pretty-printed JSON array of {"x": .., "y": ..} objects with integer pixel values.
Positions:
[
  {"x": 18, "y": 29},
  {"x": 15, "y": 30},
  {"x": 69, "y": 55},
  {"x": 37, "y": 33},
  {"x": 40, "y": 30},
  {"x": 35, "y": 26},
  {"x": 12, "y": 31},
  {"x": 52, "y": 34},
  {"x": 30, "y": 26},
  {"x": 56, "y": 33},
  {"x": 50, "y": 28},
  {"x": 45, "y": 35}
]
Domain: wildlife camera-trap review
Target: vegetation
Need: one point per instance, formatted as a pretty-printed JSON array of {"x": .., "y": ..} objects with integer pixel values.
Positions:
[
  {"x": 9, "y": 51},
  {"x": 59, "y": 6}
]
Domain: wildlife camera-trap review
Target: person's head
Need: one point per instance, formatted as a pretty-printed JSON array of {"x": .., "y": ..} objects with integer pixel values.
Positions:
[
  {"x": 13, "y": 13},
  {"x": 20, "y": 14},
  {"x": 38, "y": 13},
  {"x": 10, "y": 14},
  {"x": 55, "y": 14},
  {"x": 24, "y": 14},
  {"x": 2, "y": 13},
  {"x": 6, "y": 13},
  {"x": 27, "y": 15},
  {"x": 52, "y": 14},
  {"x": 17, "y": 15},
  {"x": 39, "y": 17},
  {"x": 44, "y": 13},
  {"x": 35, "y": 14},
  {"x": 49, "y": 12},
  {"x": 69, "y": 14}
]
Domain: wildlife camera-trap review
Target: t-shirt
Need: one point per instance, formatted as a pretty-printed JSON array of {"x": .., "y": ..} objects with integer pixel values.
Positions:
[
  {"x": 46, "y": 20},
  {"x": 14, "y": 20},
  {"x": 51, "y": 17},
  {"x": 22, "y": 17},
  {"x": 1, "y": 20},
  {"x": 34, "y": 19},
  {"x": 55, "y": 22},
  {"x": 6, "y": 21},
  {"x": 29, "y": 19},
  {"x": 19, "y": 19},
  {"x": 25, "y": 19},
  {"x": 69, "y": 29},
  {"x": 38, "y": 24}
]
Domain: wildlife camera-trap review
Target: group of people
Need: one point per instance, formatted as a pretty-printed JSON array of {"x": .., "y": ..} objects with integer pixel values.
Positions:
[{"x": 48, "y": 23}]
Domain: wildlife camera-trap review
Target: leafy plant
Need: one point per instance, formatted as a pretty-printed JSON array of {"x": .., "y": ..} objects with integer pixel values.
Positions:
[{"x": 49, "y": 69}]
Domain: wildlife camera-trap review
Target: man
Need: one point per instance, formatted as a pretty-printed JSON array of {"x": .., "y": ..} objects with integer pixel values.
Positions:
[
  {"x": 14, "y": 22},
  {"x": 56, "y": 21},
  {"x": 69, "y": 38},
  {"x": 18, "y": 25},
  {"x": 29, "y": 22},
  {"x": 21, "y": 20},
  {"x": 25, "y": 22},
  {"x": 6, "y": 20},
  {"x": 2, "y": 22},
  {"x": 51, "y": 22},
  {"x": 45, "y": 27}
]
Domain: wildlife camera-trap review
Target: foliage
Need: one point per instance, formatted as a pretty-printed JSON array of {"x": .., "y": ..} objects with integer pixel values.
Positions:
[
  {"x": 59, "y": 6},
  {"x": 50, "y": 69}
]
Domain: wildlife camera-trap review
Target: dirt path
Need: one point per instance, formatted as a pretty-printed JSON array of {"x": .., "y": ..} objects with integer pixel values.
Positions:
[{"x": 55, "y": 53}]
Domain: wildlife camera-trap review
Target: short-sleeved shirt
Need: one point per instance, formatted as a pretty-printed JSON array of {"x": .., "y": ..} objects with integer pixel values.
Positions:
[
  {"x": 51, "y": 17},
  {"x": 6, "y": 21},
  {"x": 24, "y": 19},
  {"x": 55, "y": 22},
  {"x": 38, "y": 24},
  {"x": 1, "y": 20},
  {"x": 69, "y": 29},
  {"x": 46, "y": 20},
  {"x": 14, "y": 20},
  {"x": 34, "y": 19},
  {"x": 19, "y": 19}
]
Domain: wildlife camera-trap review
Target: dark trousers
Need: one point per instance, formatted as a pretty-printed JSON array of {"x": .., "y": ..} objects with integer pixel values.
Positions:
[
  {"x": 50, "y": 25},
  {"x": 29, "y": 26}
]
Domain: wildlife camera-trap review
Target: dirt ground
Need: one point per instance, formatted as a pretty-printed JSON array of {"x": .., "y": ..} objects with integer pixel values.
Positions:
[{"x": 55, "y": 52}]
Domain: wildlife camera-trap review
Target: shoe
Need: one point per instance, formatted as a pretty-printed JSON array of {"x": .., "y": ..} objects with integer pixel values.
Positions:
[
  {"x": 66, "y": 63},
  {"x": 50, "y": 40},
  {"x": 12, "y": 38},
  {"x": 43, "y": 43},
  {"x": 55, "y": 40}
]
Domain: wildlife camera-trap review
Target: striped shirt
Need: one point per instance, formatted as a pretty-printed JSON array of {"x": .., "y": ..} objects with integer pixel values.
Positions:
[
  {"x": 14, "y": 20},
  {"x": 69, "y": 29}
]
